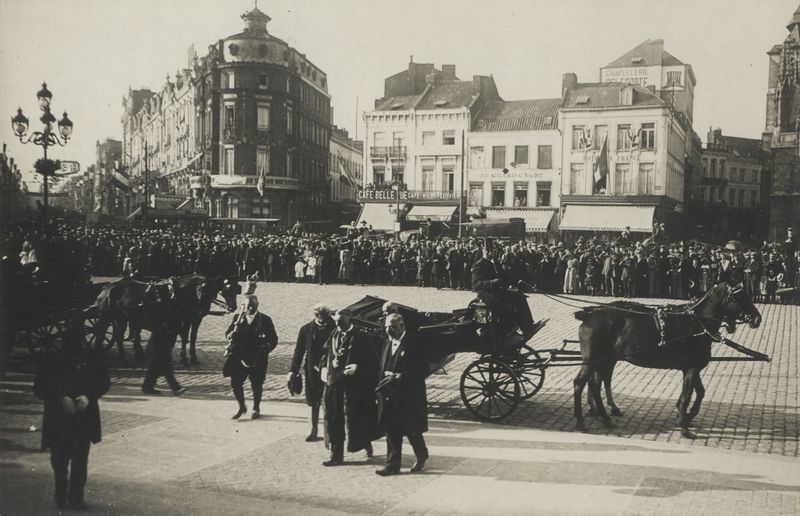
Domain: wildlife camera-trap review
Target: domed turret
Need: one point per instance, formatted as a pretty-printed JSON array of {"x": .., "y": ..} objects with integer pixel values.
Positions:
[{"x": 256, "y": 21}]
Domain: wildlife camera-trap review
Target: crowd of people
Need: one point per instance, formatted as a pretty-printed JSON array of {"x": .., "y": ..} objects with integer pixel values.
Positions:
[{"x": 625, "y": 267}]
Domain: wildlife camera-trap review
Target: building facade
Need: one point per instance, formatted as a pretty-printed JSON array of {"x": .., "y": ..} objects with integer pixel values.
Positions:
[
  {"x": 416, "y": 141},
  {"x": 244, "y": 130},
  {"x": 345, "y": 162},
  {"x": 514, "y": 165},
  {"x": 781, "y": 137},
  {"x": 626, "y": 144}
]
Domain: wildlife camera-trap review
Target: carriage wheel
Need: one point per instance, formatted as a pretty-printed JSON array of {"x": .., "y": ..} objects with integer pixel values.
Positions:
[
  {"x": 489, "y": 389},
  {"x": 45, "y": 339},
  {"x": 529, "y": 370},
  {"x": 90, "y": 337}
]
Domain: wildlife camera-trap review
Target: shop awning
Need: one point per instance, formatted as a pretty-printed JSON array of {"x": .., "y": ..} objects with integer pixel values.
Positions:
[
  {"x": 380, "y": 216},
  {"x": 434, "y": 213},
  {"x": 536, "y": 220},
  {"x": 580, "y": 217}
]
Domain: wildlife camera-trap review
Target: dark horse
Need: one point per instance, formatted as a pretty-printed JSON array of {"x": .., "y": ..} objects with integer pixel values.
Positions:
[
  {"x": 138, "y": 302},
  {"x": 633, "y": 332},
  {"x": 198, "y": 293}
]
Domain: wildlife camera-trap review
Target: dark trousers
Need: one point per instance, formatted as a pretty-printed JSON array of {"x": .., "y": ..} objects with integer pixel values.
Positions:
[
  {"x": 73, "y": 459},
  {"x": 394, "y": 447},
  {"x": 256, "y": 384},
  {"x": 159, "y": 361}
]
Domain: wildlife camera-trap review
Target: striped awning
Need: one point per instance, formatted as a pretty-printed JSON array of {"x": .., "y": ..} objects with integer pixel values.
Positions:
[
  {"x": 579, "y": 217},
  {"x": 380, "y": 216},
  {"x": 537, "y": 220}
]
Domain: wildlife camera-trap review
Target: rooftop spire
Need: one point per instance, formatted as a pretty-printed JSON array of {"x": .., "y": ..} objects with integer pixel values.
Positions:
[{"x": 255, "y": 20}]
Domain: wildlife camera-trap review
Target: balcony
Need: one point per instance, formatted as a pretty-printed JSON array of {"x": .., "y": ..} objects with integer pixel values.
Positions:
[{"x": 384, "y": 151}]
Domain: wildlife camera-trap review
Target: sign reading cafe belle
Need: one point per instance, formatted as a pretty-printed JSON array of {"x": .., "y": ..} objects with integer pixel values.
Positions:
[{"x": 406, "y": 195}]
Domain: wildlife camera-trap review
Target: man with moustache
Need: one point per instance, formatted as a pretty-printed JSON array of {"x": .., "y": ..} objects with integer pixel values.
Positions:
[{"x": 308, "y": 353}]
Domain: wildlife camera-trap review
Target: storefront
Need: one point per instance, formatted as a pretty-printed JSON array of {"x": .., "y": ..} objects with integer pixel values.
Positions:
[{"x": 384, "y": 211}]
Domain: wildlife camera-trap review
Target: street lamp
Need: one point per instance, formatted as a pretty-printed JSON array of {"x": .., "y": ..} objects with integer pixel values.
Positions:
[{"x": 44, "y": 138}]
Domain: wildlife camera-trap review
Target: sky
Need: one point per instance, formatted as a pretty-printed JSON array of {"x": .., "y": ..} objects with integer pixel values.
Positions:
[{"x": 91, "y": 51}]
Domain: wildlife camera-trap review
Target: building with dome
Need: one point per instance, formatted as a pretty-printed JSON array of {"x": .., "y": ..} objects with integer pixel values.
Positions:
[{"x": 248, "y": 140}]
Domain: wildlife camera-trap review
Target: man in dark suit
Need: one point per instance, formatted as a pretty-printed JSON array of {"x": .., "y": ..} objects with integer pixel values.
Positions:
[
  {"x": 349, "y": 368},
  {"x": 307, "y": 353},
  {"x": 252, "y": 337},
  {"x": 487, "y": 282},
  {"x": 402, "y": 400},
  {"x": 70, "y": 383}
]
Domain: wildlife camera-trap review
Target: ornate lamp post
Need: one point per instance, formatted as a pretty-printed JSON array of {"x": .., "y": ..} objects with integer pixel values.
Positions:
[{"x": 44, "y": 138}]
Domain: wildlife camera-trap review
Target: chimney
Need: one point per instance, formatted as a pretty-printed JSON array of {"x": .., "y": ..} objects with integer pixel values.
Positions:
[
  {"x": 568, "y": 81},
  {"x": 449, "y": 72}
]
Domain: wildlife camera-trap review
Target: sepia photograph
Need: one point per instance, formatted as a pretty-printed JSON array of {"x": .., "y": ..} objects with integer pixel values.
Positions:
[{"x": 400, "y": 257}]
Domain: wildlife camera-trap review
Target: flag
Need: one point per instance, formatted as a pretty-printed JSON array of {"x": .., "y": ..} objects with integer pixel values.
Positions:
[
  {"x": 601, "y": 166},
  {"x": 262, "y": 179}
]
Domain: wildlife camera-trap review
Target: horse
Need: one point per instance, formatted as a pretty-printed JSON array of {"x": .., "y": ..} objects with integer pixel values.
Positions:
[
  {"x": 179, "y": 303},
  {"x": 195, "y": 294},
  {"x": 673, "y": 338}
]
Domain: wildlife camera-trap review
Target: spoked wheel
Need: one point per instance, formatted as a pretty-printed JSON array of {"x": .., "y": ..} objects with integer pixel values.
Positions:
[
  {"x": 90, "y": 334},
  {"x": 489, "y": 389},
  {"x": 46, "y": 339},
  {"x": 530, "y": 371}
]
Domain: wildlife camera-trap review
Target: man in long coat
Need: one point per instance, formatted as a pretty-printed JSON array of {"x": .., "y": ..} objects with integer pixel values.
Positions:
[
  {"x": 70, "y": 383},
  {"x": 308, "y": 352},
  {"x": 402, "y": 399},
  {"x": 349, "y": 367}
]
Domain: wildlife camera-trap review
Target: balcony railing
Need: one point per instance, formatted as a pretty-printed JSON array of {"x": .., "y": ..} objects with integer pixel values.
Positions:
[{"x": 385, "y": 151}]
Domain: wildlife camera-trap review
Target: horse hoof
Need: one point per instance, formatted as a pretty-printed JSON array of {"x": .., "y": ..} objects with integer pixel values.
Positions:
[
  {"x": 616, "y": 412},
  {"x": 688, "y": 434}
]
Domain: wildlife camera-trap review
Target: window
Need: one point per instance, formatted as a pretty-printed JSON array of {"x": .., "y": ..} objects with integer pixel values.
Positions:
[
  {"x": 545, "y": 160},
  {"x": 428, "y": 137},
  {"x": 624, "y": 137},
  {"x": 379, "y": 139},
  {"x": 476, "y": 194},
  {"x": 648, "y": 136},
  {"x": 397, "y": 173},
  {"x": 520, "y": 195},
  {"x": 231, "y": 80},
  {"x": 261, "y": 160},
  {"x": 229, "y": 161},
  {"x": 448, "y": 137},
  {"x": 498, "y": 156},
  {"x": 577, "y": 137},
  {"x": 476, "y": 157},
  {"x": 576, "y": 178},
  {"x": 713, "y": 168},
  {"x": 755, "y": 176},
  {"x": 600, "y": 134},
  {"x": 398, "y": 139},
  {"x": 288, "y": 85},
  {"x": 543, "y": 194},
  {"x": 230, "y": 116},
  {"x": 646, "y": 178},
  {"x": 262, "y": 81},
  {"x": 263, "y": 117},
  {"x": 289, "y": 164},
  {"x": 622, "y": 179},
  {"x": 741, "y": 198},
  {"x": 233, "y": 207},
  {"x": 260, "y": 207},
  {"x": 521, "y": 155},
  {"x": 448, "y": 178},
  {"x": 289, "y": 117},
  {"x": 498, "y": 194},
  {"x": 427, "y": 178},
  {"x": 378, "y": 175},
  {"x": 754, "y": 199},
  {"x": 732, "y": 197},
  {"x": 674, "y": 78}
]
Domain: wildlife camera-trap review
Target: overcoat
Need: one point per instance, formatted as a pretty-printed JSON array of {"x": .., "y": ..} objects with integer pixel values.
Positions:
[
  {"x": 81, "y": 372},
  {"x": 308, "y": 353},
  {"x": 251, "y": 344},
  {"x": 403, "y": 402},
  {"x": 351, "y": 397}
]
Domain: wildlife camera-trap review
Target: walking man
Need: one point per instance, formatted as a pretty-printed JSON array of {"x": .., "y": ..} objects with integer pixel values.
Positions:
[
  {"x": 402, "y": 399},
  {"x": 252, "y": 337},
  {"x": 307, "y": 353}
]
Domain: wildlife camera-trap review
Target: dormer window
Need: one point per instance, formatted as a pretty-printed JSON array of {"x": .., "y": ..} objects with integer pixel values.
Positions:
[
  {"x": 626, "y": 96},
  {"x": 262, "y": 81},
  {"x": 582, "y": 99},
  {"x": 234, "y": 49},
  {"x": 440, "y": 103},
  {"x": 636, "y": 60}
]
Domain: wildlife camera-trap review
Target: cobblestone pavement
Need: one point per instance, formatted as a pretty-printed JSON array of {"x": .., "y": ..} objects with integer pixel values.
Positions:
[
  {"x": 749, "y": 406},
  {"x": 167, "y": 455}
]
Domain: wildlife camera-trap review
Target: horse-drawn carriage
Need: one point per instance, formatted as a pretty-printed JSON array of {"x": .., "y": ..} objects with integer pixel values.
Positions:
[{"x": 506, "y": 371}]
